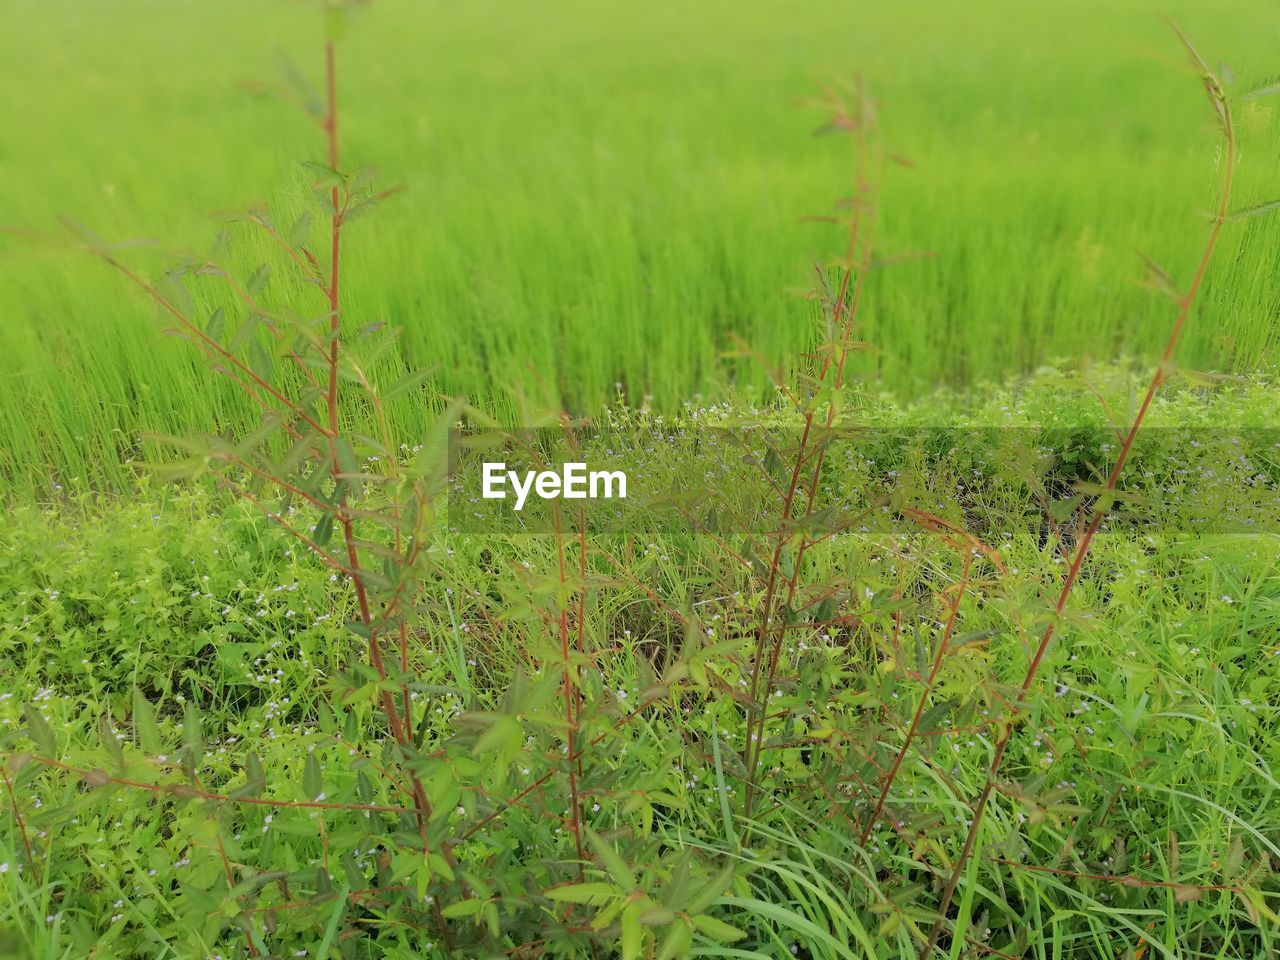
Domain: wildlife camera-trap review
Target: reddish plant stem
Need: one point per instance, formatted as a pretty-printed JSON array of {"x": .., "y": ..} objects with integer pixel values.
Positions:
[
  {"x": 582, "y": 609},
  {"x": 843, "y": 311},
  {"x": 581, "y": 625},
  {"x": 793, "y": 582},
  {"x": 333, "y": 290},
  {"x": 751, "y": 754},
  {"x": 355, "y": 573},
  {"x": 230, "y": 877},
  {"x": 21, "y": 822},
  {"x": 393, "y": 471},
  {"x": 1101, "y": 508},
  {"x": 570, "y": 695},
  {"x": 938, "y": 659}
]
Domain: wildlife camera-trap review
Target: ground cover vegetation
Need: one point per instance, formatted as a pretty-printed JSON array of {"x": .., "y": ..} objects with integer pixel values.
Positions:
[{"x": 912, "y": 679}]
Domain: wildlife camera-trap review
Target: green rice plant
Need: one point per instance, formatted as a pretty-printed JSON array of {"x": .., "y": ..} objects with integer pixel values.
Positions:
[{"x": 630, "y": 200}]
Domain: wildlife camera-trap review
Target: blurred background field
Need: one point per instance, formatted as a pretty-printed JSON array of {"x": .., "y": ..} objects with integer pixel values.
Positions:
[{"x": 600, "y": 196}]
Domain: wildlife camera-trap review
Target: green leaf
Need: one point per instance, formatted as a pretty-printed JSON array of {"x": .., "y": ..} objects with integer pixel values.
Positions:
[
  {"x": 110, "y": 742},
  {"x": 347, "y": 462},
  {"x": 255, "y": 779},
  {"x": 632, "y": 932},
  {"x": 355, "y": 878},
  {"x": 144, "y": 724},
  {"x": 324, "y": 530},
  {"x": 584, "y": 893},
  {"x": 312, "y": 781},
  {"x": 244, "y": 334},
  {"x": 463, "y": 908},
  {"x": 255, "y": 883},
  {"x": 432, "y": 460},
  {"x": 335, "y": 918},
  {"x": 217, "y": 324},
  {"x": 310, "y": 100},
  {"x": 1234, "y": 860},
  {"x": 1245, "y": 213},
  {"x": 410, "y": 381},
  {"x": 717, "y": 929},
  {"x": 801, "y": 924},
  {"x": 726, "y": 811},
  {"x": 677, "y": 890},
  {"x": 260, "y": 361},
  {"x": 710, "y": 892},
  {"x": 612, "y": 860},
  {"x": 1264, "y": 89},
  {"x": 192, "y": 731},
  {"x": 935, "y": 713},
  {"x": 258, "y": 279},
  {"x": 676, "y": 941},
  {"x": 501, "y": 733},
  {"x": 174, "y": 290},
  {"x": 39, "y": 731},
  {"x": 300, "y": 230}
]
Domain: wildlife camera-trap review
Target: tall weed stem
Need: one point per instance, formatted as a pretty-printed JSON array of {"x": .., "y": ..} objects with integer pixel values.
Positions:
[{"x": 1222, "y": 108}]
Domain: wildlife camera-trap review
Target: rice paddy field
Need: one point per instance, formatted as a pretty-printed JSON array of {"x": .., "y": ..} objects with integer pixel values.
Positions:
[
  {"x": 600, "y": 195},
  {"x": 967, "y": 648}
]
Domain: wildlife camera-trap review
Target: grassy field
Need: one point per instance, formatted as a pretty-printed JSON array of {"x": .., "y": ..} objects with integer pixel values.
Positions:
[
  {"x": 600, "y": 196},
  {"x": 957, "y": 643}
]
